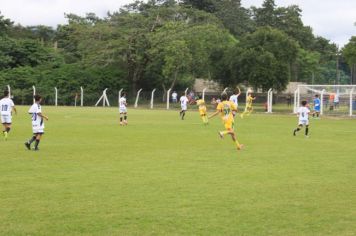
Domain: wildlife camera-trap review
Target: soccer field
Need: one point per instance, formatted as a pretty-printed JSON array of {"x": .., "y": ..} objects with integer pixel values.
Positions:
[{"x": 163, "y": 176}]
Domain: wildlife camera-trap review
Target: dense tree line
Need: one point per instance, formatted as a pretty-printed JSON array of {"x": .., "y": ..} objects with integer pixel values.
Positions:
[{"x": 164, "y": 44}]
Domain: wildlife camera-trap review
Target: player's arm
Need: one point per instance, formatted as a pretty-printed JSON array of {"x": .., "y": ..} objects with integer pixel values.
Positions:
[
  {"x": 239, "y": 91},
  {"x": 14, "y": 109},
  {"x": 214, "y": 114},
  {"x": 42, "y": 116}
]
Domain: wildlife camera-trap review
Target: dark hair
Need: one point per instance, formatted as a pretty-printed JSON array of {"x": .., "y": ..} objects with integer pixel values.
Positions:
[
  {"x": 6, "y": 93},
  {"x": 123, "y": 94},
  {"x": 316, "y": 95},
  {"x": 224, "y": 96},
  {"x": 304, "y": 103},
  {"x": 37, "y": 97}
]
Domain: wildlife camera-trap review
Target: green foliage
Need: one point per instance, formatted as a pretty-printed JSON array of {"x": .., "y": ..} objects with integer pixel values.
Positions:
[
  {"x": 263, "y": 64},
  {"x": 164, "y": 44}
]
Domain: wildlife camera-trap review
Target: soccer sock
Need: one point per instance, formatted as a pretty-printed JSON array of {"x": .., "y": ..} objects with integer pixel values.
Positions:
[
  {"x": 225, "y": 132},
  {"x": 32, "y": 139},
  {"x": 306, "y": 131},
  {"x": 183, "y": 114},
  {"x": 37, "y": 143},
  {"x": 120, "y": 119},
  {"x": 206, "y": 119},
  {"x": 8, "y": 129},
  {"x": 125, "y": 117}
]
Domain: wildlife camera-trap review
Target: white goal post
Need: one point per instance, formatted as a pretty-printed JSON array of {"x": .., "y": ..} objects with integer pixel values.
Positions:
[{"x": 335, "y": 100}]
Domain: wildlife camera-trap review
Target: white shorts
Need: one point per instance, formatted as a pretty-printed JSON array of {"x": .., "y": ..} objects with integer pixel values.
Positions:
[
  {"x": 6, "y": 119},
  {"x": 303, "y": 122},
  {"x": 184, "y": 108},
  {"x": 38, "y": 130},
  {"x": 123, "y": 110}
]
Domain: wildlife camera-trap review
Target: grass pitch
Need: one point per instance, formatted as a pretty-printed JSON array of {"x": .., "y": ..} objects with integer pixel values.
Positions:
[{"x": 163, "y": 176}]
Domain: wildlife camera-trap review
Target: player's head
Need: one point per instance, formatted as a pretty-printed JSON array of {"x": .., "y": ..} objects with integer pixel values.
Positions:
[
  {"x": 6, "y": 93},
  {"x": 123, "y": 95},
  {"x": 304, "y": 103},
  {"x": 37, "y": 98},
  {"x": 224, "y": 97},
  {"x": 316, "y": 95}
]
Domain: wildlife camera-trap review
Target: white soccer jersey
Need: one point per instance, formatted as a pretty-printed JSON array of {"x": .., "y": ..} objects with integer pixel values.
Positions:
[
  {"x": 37, "y": 121},
  {"x": 122, "y": 105},
  {"x": 234, "y": 99},
  {"x": 303, "y": 115},
  {"x": 183, "y": 102},
  {"x": 6, "y": 105}
]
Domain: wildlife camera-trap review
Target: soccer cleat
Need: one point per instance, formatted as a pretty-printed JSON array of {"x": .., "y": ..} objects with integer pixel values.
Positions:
[
  {"x": 294, "y": 134},
  {"x": 28, "y": 146},
  {"x": 36, "y": 149},
  {"x": 240, "y": 147},
  {"x": 221, "y": 135},
  {"x": 5, "y": 135}
]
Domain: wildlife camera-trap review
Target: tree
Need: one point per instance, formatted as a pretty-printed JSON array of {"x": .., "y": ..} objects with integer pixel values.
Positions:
[
  {"x": 267, "y": 57},
  {"x": 349, "y": 52},
  {"x": 266, "y": 15},
  {"x": 5, "y": 25}
]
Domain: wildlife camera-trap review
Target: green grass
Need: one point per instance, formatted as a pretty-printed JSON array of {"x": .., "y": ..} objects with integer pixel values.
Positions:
[{"x": 163, "y": 176}]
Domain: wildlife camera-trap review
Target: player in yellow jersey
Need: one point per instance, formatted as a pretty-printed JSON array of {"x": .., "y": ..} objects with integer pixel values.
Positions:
[
  {"x": 202, "y": 110},
  {"x": 226, "y": 109},
  {"x": 248, "y": 108}
]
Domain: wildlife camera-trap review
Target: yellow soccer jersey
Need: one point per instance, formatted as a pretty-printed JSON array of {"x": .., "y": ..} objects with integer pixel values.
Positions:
[
  {"x": 249, "y": 101},
  {"x": 226, "y": 108},
  {"x": 202, "y": 107}
]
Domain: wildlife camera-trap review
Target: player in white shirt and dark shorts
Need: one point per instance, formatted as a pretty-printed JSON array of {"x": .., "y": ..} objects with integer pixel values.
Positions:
[
  {"x": 37, "y": 123},
  {"x": 303, "y": 115},
  {"x": 184, "y": 105},
  {"x": 6, "y": 108},
  {"x": 235, "y": 99},
  {"x": 123, "y": 109}
]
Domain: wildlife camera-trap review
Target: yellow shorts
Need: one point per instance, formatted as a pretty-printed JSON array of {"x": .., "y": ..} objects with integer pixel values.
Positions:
[
  {"x": 229, "y": 125},
  {"x": 202, "y": 111}
]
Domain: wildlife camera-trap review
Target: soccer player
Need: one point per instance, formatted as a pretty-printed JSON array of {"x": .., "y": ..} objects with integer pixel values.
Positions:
[
  {"x": 37, "y": 123},
  {"x": 235, "y": 97},
  {"x": 123, "y": 109},
  {"x": 6, "y": 108},
  {"x": 183, "y": 104},
  {"x": 317, "y": 104},
  {"x": 225, "y": 109},
  {"x": 202, "y": 110},
  {"x": 248, "y": 108},
  {"x": 303, "y": 114}
]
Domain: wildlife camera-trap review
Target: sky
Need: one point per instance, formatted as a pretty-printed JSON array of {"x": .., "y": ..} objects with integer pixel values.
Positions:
[{"x": 332, "y": 19}]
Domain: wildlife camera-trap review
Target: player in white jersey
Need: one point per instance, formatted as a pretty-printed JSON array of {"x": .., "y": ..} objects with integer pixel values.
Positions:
[
  {"x": 235, "y": 98},
  {"x": 184, "y": 105},
  {"x": 123, "y": 109},
  {"x": 37, "y": 123},
  {"x": 303, "y": 116},
  {"x": 6, "y": 108}
]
